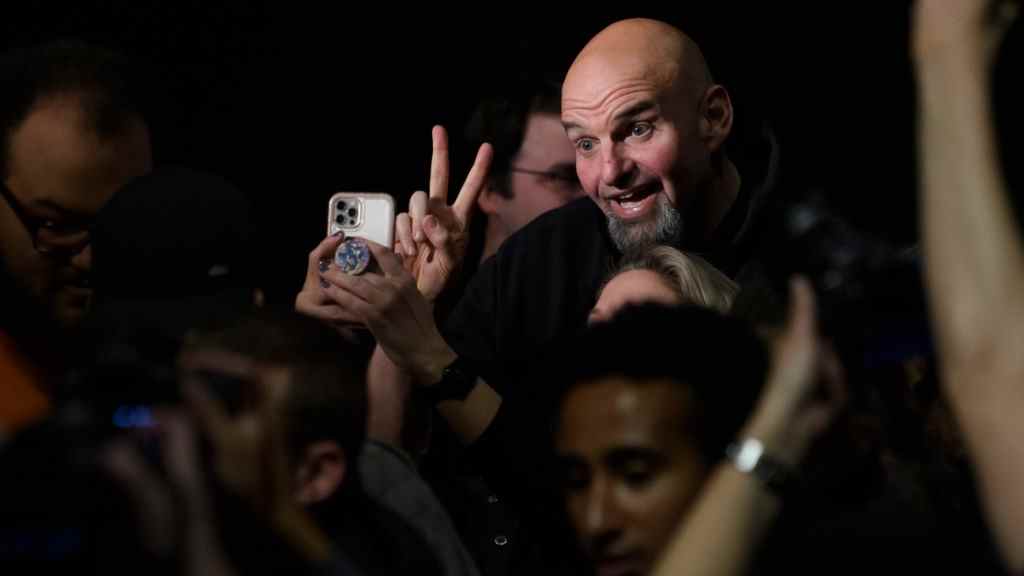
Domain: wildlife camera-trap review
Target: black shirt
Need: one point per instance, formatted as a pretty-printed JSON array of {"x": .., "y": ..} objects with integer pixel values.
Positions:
[{"x": 541, "y": 283}]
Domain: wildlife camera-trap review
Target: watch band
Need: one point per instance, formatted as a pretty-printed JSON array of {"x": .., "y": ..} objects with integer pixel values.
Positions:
[
  {"x": 457, "y": 381},
  {"x": 749, "y": 457}
]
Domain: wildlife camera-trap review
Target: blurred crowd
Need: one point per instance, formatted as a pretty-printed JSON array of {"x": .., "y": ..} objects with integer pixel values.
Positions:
[{"x": 622, "y": 342}]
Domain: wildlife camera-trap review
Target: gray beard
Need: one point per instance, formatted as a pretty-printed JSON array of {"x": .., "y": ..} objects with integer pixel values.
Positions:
[{"x": 665, "y": 227}]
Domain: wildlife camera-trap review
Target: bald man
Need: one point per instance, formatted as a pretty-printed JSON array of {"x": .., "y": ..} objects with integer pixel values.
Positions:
[{"x": 648, "y": 125}]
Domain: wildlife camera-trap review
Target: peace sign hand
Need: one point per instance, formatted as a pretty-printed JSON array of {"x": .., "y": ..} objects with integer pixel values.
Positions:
[{"x": 432, "y": 236}]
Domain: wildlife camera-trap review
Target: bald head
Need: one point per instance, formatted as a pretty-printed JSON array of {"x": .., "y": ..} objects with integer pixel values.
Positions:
[
  {"x": 649, "y": 128},
  {"x": 642, "y": 50}
]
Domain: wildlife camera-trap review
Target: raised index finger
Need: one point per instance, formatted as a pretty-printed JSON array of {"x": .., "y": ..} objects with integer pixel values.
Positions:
[{"x": 439, "y": 165}]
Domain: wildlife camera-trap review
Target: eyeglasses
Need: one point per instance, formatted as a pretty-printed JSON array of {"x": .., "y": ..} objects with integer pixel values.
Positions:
[
  {"x": 51, "y": 238},
  {"x": 564, "y": 176}
]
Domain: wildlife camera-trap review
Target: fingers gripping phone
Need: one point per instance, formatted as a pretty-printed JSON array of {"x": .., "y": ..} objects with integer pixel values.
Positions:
[{"x": 364, "y": 214}]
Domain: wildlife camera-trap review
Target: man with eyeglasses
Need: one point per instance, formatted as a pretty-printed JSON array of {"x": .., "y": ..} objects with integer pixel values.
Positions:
[
  {"x": 71, "y": 136},
  {"x": 534, "y": 165}
]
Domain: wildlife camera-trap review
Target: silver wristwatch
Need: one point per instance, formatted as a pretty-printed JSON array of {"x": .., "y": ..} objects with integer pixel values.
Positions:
[{"x": 749, "y": 456}]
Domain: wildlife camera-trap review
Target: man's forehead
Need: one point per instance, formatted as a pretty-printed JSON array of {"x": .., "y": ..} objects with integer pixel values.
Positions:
[
  {"x": 597, "y": 80},
  {"x": 545, "y": 142},
  {"x": 543, "y": 129},
  {"x": 620, "y": 410},
  {"x": 56, "y": 158}
]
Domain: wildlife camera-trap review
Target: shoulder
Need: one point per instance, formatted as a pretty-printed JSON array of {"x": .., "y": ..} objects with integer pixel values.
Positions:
[
  {"x": 570, "y": 231},
  {"x": 384, "y": 468},
  {"x": 574, "y": 220}
]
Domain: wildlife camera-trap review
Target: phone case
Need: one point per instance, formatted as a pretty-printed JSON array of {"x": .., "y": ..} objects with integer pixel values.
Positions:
[{"x": 367, "y": 215}]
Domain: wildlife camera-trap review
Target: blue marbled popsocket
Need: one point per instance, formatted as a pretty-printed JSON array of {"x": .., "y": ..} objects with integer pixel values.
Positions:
[{"x": 352, "y": 256}]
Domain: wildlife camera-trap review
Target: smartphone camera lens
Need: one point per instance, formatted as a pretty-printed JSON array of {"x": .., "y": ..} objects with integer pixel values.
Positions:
[
  {"x": 341, "y": 206},
  {"x": 351, "y": 212},
  {"x": 340, "y": 219}
]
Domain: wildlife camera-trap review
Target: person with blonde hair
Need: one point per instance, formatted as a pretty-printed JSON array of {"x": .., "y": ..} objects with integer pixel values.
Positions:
[{"x": 664, "y": 275}]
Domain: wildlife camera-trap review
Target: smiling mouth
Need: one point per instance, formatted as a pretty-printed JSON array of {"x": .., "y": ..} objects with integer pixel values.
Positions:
[{"x": 636, "y": 201}]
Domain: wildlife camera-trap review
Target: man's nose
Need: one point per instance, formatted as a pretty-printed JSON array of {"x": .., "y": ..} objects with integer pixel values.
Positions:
[
  {"x": 602, "y": 518},
  {"x": 82, "y": 260},
  {"x": 616, "y": 167}
]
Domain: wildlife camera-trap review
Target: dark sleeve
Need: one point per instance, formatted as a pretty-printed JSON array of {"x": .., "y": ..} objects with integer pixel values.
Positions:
[
  {"x": 538, "y": 287},
  {"x": 535, "y": 291},
  {"x": 495, "y": 454},
  {"x": 471, "y": 328},
  {"x": 513, "y": 453}
]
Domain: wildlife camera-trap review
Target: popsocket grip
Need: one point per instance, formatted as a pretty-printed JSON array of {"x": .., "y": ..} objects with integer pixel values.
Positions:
[{"x": 352, "y": 256}]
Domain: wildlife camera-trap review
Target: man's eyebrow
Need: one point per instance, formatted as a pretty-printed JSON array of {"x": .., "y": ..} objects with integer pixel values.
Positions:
[
  {"x": 638, "y": 108},
  {"x": 571, "y": 126},
  {"x": 633, "y": 110},
  {"x": 61, "y": 210}
]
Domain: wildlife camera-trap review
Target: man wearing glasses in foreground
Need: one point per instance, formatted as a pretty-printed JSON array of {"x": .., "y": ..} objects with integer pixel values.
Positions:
[{"x": 71, "y": 136}]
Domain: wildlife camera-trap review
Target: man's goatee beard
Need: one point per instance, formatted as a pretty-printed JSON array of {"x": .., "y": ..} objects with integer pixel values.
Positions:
[{"x": 665, "y": 228}]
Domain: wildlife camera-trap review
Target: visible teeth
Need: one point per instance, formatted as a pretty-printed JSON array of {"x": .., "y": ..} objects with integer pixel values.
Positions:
[{"x": 634, "y": 198}]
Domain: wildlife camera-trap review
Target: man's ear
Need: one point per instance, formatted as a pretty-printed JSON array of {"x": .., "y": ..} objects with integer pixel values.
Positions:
[
  {"x": 716, "y": 117},
  {"x": 321, "y": 472},
  {"x": 489, "y": 200}
]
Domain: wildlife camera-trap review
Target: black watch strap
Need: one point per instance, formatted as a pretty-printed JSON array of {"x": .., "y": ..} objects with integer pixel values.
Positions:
[{"x": 457, "y": 381}]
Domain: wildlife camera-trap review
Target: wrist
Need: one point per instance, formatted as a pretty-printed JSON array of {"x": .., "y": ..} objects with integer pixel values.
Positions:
[
  {"x": 960, "y": 46},
  {"x": 430, "y": 366},
  {"x": 773, "y": 427},
  {"x": 750, "y": 456},
  {"x": 458, "y": 380}
]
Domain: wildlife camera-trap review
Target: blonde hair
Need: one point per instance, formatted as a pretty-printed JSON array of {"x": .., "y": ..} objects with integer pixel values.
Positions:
[{"x": 691, "y": 277}]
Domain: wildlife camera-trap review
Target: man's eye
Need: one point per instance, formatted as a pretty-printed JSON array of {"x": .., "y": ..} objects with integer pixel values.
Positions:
[
  {"x": 637, "y": 476},
  {"x": 638, "y": 471},
  {"x": 63, "y": 227},
  {"x": 640, "y": 129},
  {"x": 585, "y": 145}
]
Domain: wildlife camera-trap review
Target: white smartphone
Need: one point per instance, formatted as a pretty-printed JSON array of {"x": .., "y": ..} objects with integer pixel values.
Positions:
[{"x": 367, "y": 215}]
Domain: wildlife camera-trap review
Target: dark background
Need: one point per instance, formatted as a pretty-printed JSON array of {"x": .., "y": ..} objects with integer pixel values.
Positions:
[{"x": 292, "y": 103}]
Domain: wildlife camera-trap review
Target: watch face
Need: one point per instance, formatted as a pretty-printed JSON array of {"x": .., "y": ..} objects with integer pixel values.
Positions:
[{"x": 747, "y": 455}]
